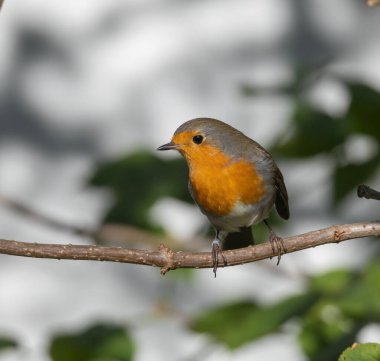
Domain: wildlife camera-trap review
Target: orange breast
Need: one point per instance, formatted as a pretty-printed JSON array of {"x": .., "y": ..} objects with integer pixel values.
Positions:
[{"x": 219, "y": 183}]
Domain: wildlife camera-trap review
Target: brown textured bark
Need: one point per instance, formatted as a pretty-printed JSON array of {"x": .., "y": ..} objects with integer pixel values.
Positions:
[{"x": 168, "y": 259}]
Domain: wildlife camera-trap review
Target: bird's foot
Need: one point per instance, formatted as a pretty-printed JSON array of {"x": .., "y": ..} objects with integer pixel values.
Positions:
[
  {"x": 277, "y": 243},
  {"x": 215, "y": 251}
]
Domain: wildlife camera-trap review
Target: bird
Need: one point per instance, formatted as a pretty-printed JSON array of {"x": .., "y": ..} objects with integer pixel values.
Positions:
[{"x": 234, "y": 181}]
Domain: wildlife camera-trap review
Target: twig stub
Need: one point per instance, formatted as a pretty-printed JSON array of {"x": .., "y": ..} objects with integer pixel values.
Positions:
[{"x": 368, "y": 193}]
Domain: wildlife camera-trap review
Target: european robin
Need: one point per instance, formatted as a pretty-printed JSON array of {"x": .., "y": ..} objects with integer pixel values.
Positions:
[{"x": 233, "y": 179}]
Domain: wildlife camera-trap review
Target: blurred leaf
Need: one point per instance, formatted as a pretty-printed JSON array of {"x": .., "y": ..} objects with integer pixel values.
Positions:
[
  {"x": 137, "y": 182},
  {"x": 329, "y": 345},
  {"x": 242, "y": 322},
  {"x": 362, "y": 352},
  {"x": 325, "y": 331},
  {"x": 364, "y": 111},
  {"x": 249, "y": 90},
  {"x": 348, "y": 177},
  {"x": 362, "y": 300},
  {"x": 348, "y": 301},
  {"x": 315, "y": 132},
  {"x": 254, "y": 90},
  {"x": 98, "y": 343},
  {"x": 184, "y": 275},
  {"x": 331, "y": 283},
  {"x": 6, "y": 342}
]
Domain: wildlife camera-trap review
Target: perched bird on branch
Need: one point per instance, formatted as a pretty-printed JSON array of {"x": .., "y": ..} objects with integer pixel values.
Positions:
[{"x": 233, "y": 179}]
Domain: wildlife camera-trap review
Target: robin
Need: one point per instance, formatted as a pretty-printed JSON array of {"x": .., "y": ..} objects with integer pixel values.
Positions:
[{"x": 233, "y": 179}]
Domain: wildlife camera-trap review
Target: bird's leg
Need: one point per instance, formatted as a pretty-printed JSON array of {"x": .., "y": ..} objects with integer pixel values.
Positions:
[
  {"x": 277, "y": 243},
  {"x": 216, "y": 248}
]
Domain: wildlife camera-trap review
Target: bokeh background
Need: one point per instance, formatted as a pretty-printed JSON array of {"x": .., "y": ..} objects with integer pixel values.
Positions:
[{"x": 89, "y": 90}]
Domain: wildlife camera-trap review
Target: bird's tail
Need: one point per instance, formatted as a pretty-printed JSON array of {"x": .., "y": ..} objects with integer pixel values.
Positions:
[{"x": 242, "y": 238}]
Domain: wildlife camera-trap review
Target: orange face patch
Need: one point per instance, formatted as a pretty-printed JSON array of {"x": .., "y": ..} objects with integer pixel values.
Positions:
[{"x": 218, "y": 181}]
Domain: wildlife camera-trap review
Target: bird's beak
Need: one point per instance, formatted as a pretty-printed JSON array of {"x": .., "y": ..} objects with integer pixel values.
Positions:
[{"x": 168, "y": 146}]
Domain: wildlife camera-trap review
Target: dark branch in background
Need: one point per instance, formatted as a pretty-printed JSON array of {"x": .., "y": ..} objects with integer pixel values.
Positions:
[
  {"x": 1, "y": 4},
  {"x": 109, "y": 233},
  {"x": 32, "y": 214},
  {"x": 367, "y": 192},
  {"x": 168, "y": 259},
  {"x": 373, "y": 2}
]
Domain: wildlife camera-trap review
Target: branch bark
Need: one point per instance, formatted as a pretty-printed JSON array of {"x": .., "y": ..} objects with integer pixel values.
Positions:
[{"x": 168, "y": 259}]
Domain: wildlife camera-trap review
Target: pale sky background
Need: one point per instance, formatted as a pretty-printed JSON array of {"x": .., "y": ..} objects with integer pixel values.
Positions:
[{"x": 84, "y": 81}]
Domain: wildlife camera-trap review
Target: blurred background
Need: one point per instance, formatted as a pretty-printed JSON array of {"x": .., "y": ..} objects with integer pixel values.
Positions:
[{"x": 89, "y": 90}]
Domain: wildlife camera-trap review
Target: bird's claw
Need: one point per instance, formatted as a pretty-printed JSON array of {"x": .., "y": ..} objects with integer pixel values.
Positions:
[
  {"x": 215, "y": 251},
  {"x": 278, "y": 245}
]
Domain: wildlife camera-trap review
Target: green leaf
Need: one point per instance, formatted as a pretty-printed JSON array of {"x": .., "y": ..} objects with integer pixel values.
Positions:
[
  {"x": 348, "y": 177},
  {"x": 325, "y": 331},
  {"x": 314, "y": 132},
  {"x": 6, "y": 342},
  {"x": 242, "y": 322},
  {"x": 361, "y": 352},
  {"x": 331, "y": 283},
  {"x": 364, "y": 111},
  {"x": 137, "y": 181},
  {"x": 347, "y": 302},
  {"x": 362, "y": 300},
  {"x": 97, "y": 343}
]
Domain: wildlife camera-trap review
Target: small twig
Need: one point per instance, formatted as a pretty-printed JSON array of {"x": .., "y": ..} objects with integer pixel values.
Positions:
[
  {"x": 44, "y": 219},
  {"x": 168, "y": 259},
  {"x": 106, "y": 233},
  {"x": 367, "y": 192}
]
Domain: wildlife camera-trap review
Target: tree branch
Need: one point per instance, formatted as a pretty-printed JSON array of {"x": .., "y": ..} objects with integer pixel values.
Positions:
[{"x": 168, "y": 259}]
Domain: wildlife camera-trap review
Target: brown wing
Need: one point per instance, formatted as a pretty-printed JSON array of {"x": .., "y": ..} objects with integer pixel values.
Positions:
[
  {"x": 282, "y": 205},
  {"x": 262, "y": 158}
]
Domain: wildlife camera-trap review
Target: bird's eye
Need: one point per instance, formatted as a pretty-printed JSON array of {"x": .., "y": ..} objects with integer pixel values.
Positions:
[{"x": 198, "y": 139}]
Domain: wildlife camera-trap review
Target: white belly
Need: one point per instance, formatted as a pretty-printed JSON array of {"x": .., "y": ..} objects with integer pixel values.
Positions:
[{"x": 244, "y": 215}]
